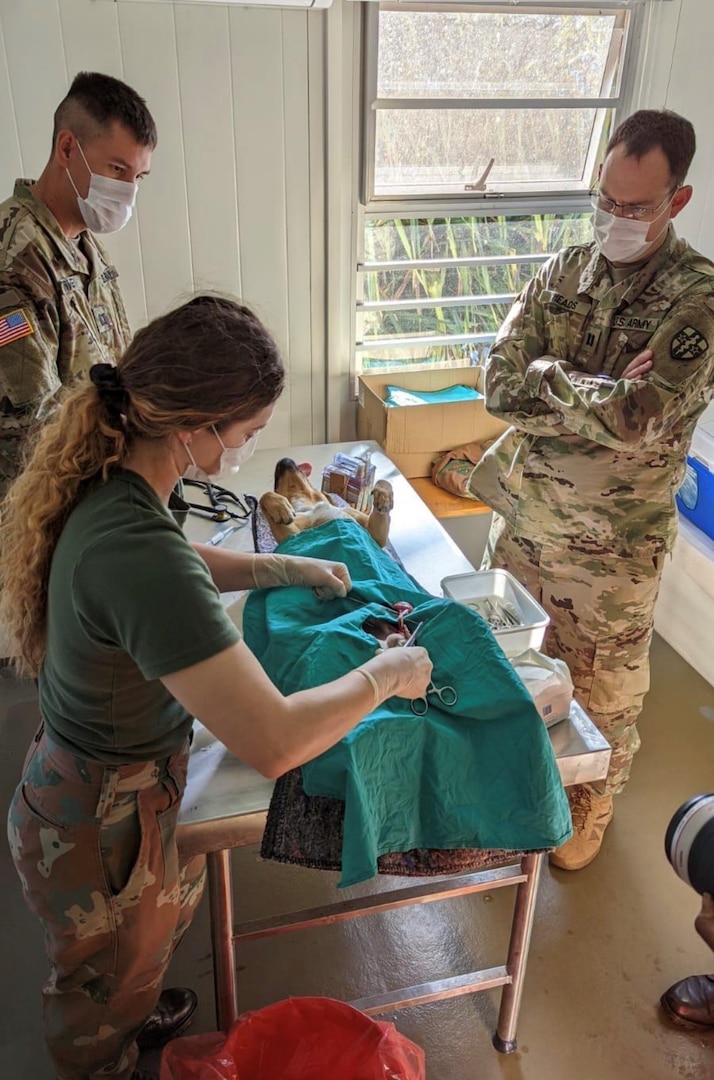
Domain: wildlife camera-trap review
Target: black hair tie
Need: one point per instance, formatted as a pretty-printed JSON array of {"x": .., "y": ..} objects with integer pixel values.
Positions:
[{"x": 108, "y": 382}]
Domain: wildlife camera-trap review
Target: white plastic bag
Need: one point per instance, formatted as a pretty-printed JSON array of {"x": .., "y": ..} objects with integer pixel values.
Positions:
[{"x": 548, "y": 682}]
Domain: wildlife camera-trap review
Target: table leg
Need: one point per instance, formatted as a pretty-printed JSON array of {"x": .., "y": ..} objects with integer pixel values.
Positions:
[
  {"x": 505, "y": 1038},
  {"x": 220, "y": 896}
]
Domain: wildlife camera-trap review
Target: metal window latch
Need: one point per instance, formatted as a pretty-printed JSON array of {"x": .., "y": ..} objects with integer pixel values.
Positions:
[{"x": 480, "y": 184}]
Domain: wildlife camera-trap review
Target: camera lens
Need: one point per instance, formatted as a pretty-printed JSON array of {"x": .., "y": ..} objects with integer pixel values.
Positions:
[{"x": 689, "y": 843}]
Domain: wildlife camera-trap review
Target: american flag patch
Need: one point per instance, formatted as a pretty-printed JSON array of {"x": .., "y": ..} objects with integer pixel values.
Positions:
[{"x": 13, "y": 326}]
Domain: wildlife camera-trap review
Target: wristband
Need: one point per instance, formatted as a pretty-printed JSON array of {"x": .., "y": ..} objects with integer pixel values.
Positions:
[{"x": 373, "y": 683}]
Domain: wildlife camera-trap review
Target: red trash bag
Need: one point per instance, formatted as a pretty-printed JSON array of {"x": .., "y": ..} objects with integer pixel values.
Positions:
[{"x": 310, "y": 1038}]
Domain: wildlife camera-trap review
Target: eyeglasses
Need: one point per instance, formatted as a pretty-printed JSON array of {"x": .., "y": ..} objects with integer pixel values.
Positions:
[{"x": 628, "y": 210}]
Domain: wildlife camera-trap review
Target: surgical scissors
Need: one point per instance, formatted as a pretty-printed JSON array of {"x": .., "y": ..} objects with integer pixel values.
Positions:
[{"x": 446, "y": 695}]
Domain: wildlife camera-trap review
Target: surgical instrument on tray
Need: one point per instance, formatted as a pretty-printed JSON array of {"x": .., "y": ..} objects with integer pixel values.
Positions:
[{"x": 500, "y": 615}]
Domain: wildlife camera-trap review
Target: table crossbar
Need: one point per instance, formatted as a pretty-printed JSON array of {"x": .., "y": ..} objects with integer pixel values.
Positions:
[
  {"x": 438, "y": 990},
  {"x": 443, "y": 889}
]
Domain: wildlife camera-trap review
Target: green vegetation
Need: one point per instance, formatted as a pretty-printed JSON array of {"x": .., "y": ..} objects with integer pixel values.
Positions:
[{"x": 419, "y": 239}]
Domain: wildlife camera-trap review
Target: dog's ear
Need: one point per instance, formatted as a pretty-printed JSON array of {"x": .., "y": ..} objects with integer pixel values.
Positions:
[{"x": 305, "y": 468}]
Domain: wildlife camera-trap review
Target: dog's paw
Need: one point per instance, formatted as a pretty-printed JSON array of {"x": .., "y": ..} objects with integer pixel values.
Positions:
[
  {"x": 383, "y": 497},
  {"x": 277, "y": 508}
]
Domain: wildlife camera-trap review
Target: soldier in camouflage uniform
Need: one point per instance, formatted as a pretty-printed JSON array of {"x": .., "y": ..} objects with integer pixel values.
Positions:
[
  {"x": 60, "y": 306},
  {"x": 602, "y": 367}
]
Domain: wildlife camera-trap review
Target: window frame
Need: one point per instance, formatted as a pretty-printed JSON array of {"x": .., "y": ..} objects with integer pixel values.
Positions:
[
  {"x": 484, "y": 205},
  {"x": 364, "y": 344},
  {"x": 499, "y": 203}
]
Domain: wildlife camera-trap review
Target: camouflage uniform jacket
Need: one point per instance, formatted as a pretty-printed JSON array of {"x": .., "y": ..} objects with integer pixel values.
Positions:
[
  {"x": 592, "y": 456},
  {"x": 64, "y": 312}
]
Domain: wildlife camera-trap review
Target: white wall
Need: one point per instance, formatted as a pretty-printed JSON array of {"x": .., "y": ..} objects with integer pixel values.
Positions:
[
  {"x": 235, "y": 199},
  {"x": 679, "y": 75}
]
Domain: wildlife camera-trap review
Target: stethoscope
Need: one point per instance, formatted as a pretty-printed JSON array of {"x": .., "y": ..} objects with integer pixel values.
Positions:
[{"x": 223, "y": 505}]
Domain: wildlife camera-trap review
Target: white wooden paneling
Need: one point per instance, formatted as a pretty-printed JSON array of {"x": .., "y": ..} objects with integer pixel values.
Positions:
[
  {"x": 90, "y": 37},
  {"x": 10, "y": 159},
  {"x": 148, "y": 38},
  {"x": 235, "y": 200},
  {"x": 36, "y": 63},
  {"x": 342, "y": 150},
  {"x": 204, "y": 63},
  {"x": 257, "y": 66},
  {"x": 655, "y": 49},
  {"x": 317, "y": 30},
  {"x": 297, "y": 222},
  {"x": 690, "y": 89}
]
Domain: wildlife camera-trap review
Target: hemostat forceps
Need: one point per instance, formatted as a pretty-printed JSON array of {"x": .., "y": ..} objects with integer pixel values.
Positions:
[{"x": 446, "y": 694}]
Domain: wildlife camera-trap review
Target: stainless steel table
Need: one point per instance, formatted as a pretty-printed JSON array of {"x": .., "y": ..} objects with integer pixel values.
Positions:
[{"x": 226, "y": 803}]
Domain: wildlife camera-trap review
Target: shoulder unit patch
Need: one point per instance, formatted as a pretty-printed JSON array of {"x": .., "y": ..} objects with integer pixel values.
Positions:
[{"x": 688, "y": 344}]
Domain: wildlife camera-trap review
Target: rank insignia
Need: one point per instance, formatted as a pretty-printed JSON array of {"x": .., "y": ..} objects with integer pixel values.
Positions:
[
  {"x": 102, "y": 319},
  {"x": 688, "y": 344}
]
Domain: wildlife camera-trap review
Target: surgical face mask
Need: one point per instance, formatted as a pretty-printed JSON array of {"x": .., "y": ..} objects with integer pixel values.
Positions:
[
  {"x": 622, "y": 240},
  {"x": 109, "y": 203},
  {"x": 232, "y": 457}
]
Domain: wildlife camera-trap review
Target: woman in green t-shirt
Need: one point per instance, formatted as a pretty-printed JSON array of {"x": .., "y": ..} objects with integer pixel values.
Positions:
[{"x": 119, "y": 618}]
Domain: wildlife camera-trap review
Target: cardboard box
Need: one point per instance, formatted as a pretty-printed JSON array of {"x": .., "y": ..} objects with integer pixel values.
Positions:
[{"x": 413, "y": 435}]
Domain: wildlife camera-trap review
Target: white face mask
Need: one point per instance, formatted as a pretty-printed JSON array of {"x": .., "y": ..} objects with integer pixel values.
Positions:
[
  {"x": 232, "y": 457},
  {"x": 109, "y": 203},
  {"x": 622, "y": 240}
]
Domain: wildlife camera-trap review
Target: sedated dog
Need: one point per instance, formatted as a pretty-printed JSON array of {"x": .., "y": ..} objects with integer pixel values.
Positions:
[{"x": 295, "y": 504}]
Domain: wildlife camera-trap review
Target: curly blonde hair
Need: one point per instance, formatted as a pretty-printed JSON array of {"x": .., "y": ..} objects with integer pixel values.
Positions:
[{"x": 211, "y": 361}]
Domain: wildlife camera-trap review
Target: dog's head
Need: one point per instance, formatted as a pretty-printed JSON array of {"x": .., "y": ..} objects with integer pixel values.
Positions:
[{"x": 291, "y": 478}]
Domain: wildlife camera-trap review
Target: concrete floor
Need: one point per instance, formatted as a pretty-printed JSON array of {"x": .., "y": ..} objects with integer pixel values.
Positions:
[{"x": 607, "y": 941}]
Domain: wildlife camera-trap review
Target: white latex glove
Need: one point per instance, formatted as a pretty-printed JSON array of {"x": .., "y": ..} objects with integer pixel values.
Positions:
[
  {"x": 398, "y": 672},
  {"x": 327, "y": 578},
  {"x": 392, "y": 641}
]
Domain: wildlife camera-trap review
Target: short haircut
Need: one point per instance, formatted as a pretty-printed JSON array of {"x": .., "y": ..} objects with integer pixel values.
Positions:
[
  {"x": 95, "y": 101},
  {"x": 651, "y": 129}
]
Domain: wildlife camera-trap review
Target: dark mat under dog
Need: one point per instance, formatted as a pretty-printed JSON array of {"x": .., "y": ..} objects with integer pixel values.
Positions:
[{"x": 306, "y": 830}]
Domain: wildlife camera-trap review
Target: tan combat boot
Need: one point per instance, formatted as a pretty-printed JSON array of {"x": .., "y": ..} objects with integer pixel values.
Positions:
[{"x": 591, "y": 816}]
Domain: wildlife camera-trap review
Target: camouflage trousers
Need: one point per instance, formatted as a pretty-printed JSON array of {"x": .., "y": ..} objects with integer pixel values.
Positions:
[
  {"x": 601, "y": 611},
  {"x": 95, "y": 849}
]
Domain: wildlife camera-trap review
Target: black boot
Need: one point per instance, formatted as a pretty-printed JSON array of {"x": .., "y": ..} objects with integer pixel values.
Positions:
[{"x": 170, "y": 1018}]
